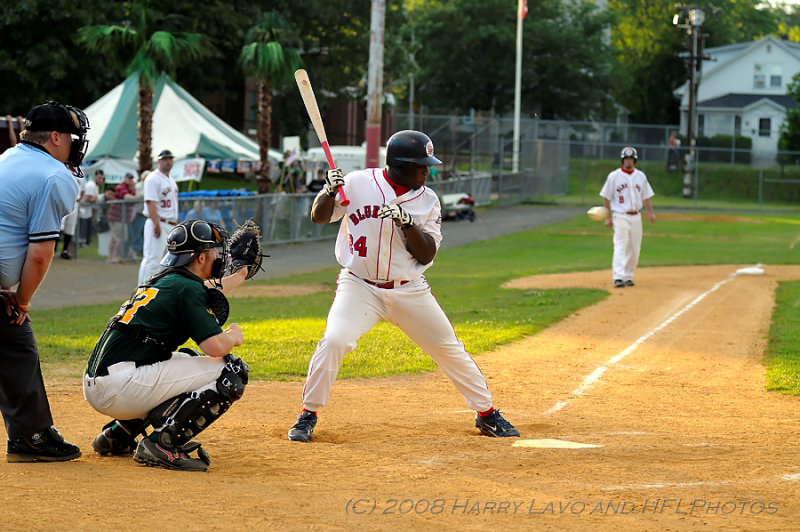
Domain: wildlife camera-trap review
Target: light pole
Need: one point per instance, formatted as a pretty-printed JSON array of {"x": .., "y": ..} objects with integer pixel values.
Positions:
[{"x": 694, "y": 18}]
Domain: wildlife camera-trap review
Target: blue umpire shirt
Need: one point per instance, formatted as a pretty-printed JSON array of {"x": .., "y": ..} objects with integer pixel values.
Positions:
[{"x": 36, "y": 192}]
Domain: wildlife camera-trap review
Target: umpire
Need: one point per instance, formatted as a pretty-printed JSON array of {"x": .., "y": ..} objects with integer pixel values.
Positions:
[{"x": 37, "y": 189}]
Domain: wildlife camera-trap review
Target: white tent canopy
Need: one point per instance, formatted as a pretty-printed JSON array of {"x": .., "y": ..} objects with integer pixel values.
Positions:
[{"x": 181, "y": 124}]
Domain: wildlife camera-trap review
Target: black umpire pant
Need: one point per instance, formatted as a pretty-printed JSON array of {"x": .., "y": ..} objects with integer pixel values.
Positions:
[{"x": 23, "y": 399}]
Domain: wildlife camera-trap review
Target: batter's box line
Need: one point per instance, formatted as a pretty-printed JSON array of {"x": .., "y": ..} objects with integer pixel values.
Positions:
[{"x": 592, "y": 378}]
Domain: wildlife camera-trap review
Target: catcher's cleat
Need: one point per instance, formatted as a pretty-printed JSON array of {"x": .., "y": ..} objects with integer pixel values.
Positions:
[
  {"x": 619, "y": 283},
  {"x": 630, "y": 282},
  {"x": 105, "y": 443},
  {"x": 496, "y": 425},
  {"x": 153, "y": 454},
  {"x": 47, "y": 445},
  {"x": 304, "y": 427}
]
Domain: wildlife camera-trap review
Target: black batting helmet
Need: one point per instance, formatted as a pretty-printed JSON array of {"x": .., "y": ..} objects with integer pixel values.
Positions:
[
  {"x": 627, "y": 151},
  {"x": 190, "y": 238},
  {"x": 410, "y": 146}
]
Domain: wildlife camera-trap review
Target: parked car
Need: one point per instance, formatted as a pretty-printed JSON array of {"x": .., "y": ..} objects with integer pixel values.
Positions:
[{"x": 457, "y": 206}]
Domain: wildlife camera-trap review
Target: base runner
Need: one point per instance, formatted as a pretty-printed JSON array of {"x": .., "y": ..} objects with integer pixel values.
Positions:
[{"x": 389, "y": 236}]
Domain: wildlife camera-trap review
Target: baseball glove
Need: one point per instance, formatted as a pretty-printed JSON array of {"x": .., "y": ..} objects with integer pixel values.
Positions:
[{"x": 245, "y": 246}]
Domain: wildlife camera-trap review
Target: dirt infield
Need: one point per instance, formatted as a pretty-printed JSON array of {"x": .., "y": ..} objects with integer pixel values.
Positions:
[{"x": 663, "y": 379}]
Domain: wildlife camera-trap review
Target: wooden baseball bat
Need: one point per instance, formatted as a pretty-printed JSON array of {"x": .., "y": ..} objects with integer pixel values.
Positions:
[{"x": 310, "y": 101}]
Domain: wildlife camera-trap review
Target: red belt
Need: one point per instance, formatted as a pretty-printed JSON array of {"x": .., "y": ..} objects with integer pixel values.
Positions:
[
  {"x": 170, "y": 222},
  {"x": 389, "y": 284},
  {"x": 632, "y": 212}
]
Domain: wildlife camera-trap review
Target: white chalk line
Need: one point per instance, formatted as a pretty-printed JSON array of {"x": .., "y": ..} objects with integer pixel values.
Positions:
[
  {"x": 659, "y": 485},
  {"x": 591, "y": 379}
]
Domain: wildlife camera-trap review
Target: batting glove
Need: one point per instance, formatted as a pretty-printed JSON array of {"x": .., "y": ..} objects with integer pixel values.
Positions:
[
  {"x": 333, "y": 180},
  {"x": 397, "y": 213}
]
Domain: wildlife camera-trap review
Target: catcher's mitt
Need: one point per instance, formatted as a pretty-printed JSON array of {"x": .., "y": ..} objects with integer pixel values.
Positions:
[{"x": 245, "y": 248}]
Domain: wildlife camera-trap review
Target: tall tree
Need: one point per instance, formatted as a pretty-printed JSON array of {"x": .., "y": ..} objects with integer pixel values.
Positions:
[
  {"x": 271, "y": 54},
  {"x": 150, "y": 51},
  {"x": 790, "y": 129},
  {"x": 566, "y": 59}
]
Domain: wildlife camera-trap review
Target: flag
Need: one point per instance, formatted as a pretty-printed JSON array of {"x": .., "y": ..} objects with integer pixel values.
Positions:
[{"x": 523, "y": 8}]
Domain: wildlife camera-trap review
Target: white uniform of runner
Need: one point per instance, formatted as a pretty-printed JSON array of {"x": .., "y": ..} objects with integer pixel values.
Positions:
[
  {"x": 380, "y": 279},
  {"x": 163, "y": 190},
  {"x": 626, "y": 193}
]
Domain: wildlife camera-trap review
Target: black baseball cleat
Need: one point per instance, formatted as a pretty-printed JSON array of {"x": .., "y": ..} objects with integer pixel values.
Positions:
[
  {"x": 153, "y": 454},
  {"x": 630, "y": 282},
  {"x": 107, "y": 443},
  {"x": 619, "y": 283},
  {"x": 47, "y": 445},
  {"x": 303, "y": 427},
  {"x": 496, "y": 425}
]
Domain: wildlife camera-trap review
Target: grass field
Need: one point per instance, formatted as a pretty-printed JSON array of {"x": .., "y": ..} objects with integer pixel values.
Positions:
[{"x": 281, "y": 332}]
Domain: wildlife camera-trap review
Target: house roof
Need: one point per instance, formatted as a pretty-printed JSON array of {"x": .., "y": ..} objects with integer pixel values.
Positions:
[{"x": 740, "y": 101}]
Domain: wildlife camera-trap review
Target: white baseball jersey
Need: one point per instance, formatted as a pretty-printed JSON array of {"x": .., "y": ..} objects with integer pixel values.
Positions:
[
  {"x": 626, "y": 191},
  {"x": 163, "y": 190},
  {"x": 374, "y": 248}
]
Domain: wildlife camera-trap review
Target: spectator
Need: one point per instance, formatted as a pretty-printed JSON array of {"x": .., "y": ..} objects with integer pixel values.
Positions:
[
  {"x": 70, "y": 222},
  {"x": 211, "y": 213},
  {"x": 87, "y": 202},
  {"x": 137, "y": 226},
  {"x": 196, "y": 212},
  {"x": 120, "y": 216}
]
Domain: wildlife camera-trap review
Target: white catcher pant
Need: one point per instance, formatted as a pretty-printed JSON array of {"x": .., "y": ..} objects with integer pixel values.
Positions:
[
  {"x": 627, "y": 245},
  {"x": 358, "y": 306},
  {"x": 153, "y": 249},
  {"x": 128, "y": 392}
]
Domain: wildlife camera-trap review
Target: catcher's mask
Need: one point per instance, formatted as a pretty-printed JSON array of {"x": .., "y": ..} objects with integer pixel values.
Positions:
[
  {"x": 407, "y": 147},
  {"x": 626, "y": 152},
  {"x": 189, "y": 238}
]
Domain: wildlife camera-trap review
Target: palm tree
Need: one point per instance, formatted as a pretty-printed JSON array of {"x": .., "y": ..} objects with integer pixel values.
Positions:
[
  {"x": 271, "y": 55},
  {"x": 151, "y": 51}
]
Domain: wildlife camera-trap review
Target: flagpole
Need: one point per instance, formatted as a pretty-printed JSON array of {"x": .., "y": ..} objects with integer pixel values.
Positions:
[{"x": 517, "y": 91}]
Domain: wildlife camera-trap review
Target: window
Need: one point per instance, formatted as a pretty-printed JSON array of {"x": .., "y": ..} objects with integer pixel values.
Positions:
[
  {"x": 764, "y": 127},
  {"x": 701, "y": 125},
  {"x": 759, "y": 78},
  {"x": 775, "y": 75},
  {"x": 737, "y": 125}
]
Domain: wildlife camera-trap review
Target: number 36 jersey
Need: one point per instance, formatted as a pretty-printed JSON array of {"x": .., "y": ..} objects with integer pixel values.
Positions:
[{"x": 374, "y": 248}]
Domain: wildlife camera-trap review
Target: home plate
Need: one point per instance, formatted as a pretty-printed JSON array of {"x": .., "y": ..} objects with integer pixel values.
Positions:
[{"x": 548, "y": 443}]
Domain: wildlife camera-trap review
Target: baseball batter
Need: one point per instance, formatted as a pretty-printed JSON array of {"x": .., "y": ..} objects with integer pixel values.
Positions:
[
  {"x": 389, "y": 235},
  {"x": 625, "y": 193},
  {"x": 161, "y": 209}
]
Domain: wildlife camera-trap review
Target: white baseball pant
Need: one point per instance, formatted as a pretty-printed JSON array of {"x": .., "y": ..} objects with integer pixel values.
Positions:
[
  {"x": 128, "y": 392},
  {"x": 153, "y": 249},
  {"x": 358, "y": 306},
  {"x": 627, "y": 244}
]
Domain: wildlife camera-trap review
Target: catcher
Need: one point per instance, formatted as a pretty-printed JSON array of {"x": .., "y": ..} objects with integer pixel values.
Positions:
[{"x": 136, "y": 373}]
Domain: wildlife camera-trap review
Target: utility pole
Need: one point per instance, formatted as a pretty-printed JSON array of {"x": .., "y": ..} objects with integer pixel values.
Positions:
[
  {"x": 694, "y": 19},
  {"x": 375, "y": 83}
]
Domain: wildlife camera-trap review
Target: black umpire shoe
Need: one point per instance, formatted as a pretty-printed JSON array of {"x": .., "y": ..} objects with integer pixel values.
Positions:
[
  {"x": 304, "y": 427},
  {"x": 153, "y": 454},
  {"x": 496, "y": 425},
  {"x": 47, "y": 445}
]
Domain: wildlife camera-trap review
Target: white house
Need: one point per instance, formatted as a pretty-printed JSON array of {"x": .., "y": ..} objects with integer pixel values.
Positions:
[{"x": 742, "y": 91}]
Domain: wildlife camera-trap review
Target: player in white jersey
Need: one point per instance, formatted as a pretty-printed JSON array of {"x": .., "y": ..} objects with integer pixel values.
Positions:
[
  {"x": 161, "y": 209},
  {"x": 625, "y": 193},
  {"x": 388, "y": 237}
]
